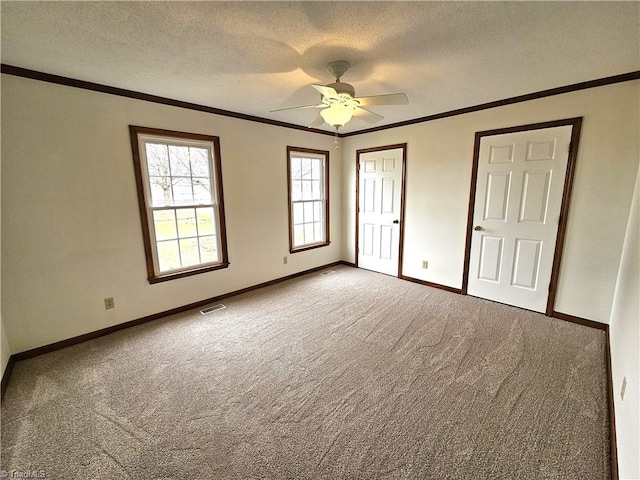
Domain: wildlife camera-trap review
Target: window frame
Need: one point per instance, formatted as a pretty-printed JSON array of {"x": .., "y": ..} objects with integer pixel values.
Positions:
[
  {"x": 137, "y": 135},
  {"x": 315, "y": 153}
]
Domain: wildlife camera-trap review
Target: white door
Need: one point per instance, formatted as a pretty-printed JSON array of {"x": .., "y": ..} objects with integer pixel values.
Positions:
[
  {"x": 519, "y": 189},
  {"x": 380, "y": 188}
]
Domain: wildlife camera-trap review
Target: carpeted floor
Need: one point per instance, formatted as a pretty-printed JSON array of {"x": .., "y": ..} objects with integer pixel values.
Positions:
[{"x": 353, "y": 375}]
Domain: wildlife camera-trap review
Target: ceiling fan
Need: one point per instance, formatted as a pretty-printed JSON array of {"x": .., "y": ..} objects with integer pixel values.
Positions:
[{"x": 339, "y": 102}]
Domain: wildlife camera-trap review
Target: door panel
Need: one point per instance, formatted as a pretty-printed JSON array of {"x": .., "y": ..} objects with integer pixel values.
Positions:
[
  {"x": 519, "y": 189},
  {"x": 497, "y": 198},
  {"x": 389, "y": 164},
  {"x": 369, "y": 192},
  {"x": 541, "y": 150},
  {"x": 501, "y": 153},
  {"x": 535, "y": 197},
  {"x": 380, "y": 189},
  {"x": 526, "y": 263},
  {"x": 388, "y": 196},
  {"x": 386, "y": 242},
  {"x": 490, "y": 258},
  {"x": 370, "y": 166},
  {"x": 367, "y": 239}
]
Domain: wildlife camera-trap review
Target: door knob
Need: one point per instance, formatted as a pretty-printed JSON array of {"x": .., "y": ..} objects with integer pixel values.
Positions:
[
  {"x": 396, "y": 221},
  {"x": 477, "y": 228}
]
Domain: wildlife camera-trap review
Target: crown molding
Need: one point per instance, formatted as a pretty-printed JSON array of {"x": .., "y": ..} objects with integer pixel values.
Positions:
[{"x": 97, "y": 87}]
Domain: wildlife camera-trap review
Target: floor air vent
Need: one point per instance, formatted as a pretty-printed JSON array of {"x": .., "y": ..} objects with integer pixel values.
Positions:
[
  {"x": 324, "y": 273},
  {"x": 212, "y": 309}
]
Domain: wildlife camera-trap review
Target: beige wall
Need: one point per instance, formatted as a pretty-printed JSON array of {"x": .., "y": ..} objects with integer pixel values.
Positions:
[
  {"x": 71, "y": 232},
  {"x": 625, "y": 346},
  {"x": 5, "y": 349},
  {"x": 439, "y": 174}
]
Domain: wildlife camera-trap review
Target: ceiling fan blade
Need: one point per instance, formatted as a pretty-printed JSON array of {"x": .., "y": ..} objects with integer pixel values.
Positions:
[
  {"x": 327, "y": 92},
  {"x": 367, "y": 115},
  {"x": 389, "y": 99},
  {"x": 301, "y": 107},
  {"x": 317, "y": 122}
]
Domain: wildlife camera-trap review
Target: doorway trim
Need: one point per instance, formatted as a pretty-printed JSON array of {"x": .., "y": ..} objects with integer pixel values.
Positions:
[
  {"x": 576, "y": 123},
  {"x": 402, "y": 146}
]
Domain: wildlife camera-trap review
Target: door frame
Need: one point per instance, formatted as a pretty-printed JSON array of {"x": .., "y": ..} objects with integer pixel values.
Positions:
[
  {"x": 576, "y": 123},
  {"x": 402, "y": 146}
]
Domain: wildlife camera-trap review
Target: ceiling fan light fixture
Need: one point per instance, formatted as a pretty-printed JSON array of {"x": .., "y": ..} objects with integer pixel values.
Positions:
[{"x": 337, "y": 114}]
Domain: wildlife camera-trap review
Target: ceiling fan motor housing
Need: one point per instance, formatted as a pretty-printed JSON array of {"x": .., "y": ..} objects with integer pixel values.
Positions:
[
  {"x": 340, "y": 88},
  {"x": 337, "y": 69}
]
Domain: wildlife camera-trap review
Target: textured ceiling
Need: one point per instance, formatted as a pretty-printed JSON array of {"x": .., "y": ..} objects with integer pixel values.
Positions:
[{"x": 252, "y": 57}]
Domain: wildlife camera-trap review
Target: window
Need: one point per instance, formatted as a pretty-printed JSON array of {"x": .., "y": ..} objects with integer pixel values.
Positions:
[
  {"x": 180, "y": 195},
  {"x": 308, "y": 174}
]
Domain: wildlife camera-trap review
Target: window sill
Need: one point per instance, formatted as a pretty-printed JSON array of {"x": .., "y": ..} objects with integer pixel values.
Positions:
[
  {"x": 309, "y": 247},
  {"x": 186, "y": 273}
]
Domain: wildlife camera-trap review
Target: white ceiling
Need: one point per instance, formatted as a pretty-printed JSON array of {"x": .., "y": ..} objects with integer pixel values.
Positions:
[{"x": 252, "y": 57}]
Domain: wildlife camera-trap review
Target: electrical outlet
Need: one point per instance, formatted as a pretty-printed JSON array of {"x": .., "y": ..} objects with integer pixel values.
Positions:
[
  {"x": 624, "y": 387},
  {"x": 109, "y": 303},
  {"x": 425, "y": 264},
  {"x": 285, "y": 260}
]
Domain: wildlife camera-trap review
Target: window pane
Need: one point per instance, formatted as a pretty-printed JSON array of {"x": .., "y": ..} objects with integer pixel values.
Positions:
[
  {"x": 168, "y": 255},
  {"x": 182, "y": 192},
  {"x": 298, "y": 213},
  {"x": 205, "y": 221},
  {"x": 160, "y": 191},
  {"x": 317, "y": 232},
  {"x": 200, "y": 162},
  {"x": 186, "y": 222},
  {"x": 295, "y": 168},
  {"x": 298, "y": 235},
  {"x": 308, "y": 212},
  {"x": 189, "y": 252},
  {"x": 164, "y": 222},
  {"x": 157, "y": 159},
  {"x": 317, "y": 193},
  {"x": 317, "y": 211},
  {"x": 306, "y": 168},
  {"x": 308, "y": 232},
  {"x": 179, "y": 161},
  {"x": 315, "y": 169},
  {"x": 208, "y": 249},
  {"x": 201, "y": 190},
  {"x": 296, "y": 190},
  {"x": 306, "y": 190}
]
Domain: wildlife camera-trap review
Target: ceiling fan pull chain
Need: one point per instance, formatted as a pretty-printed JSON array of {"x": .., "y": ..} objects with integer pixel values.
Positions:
[{"x": 335, "y": 141}]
